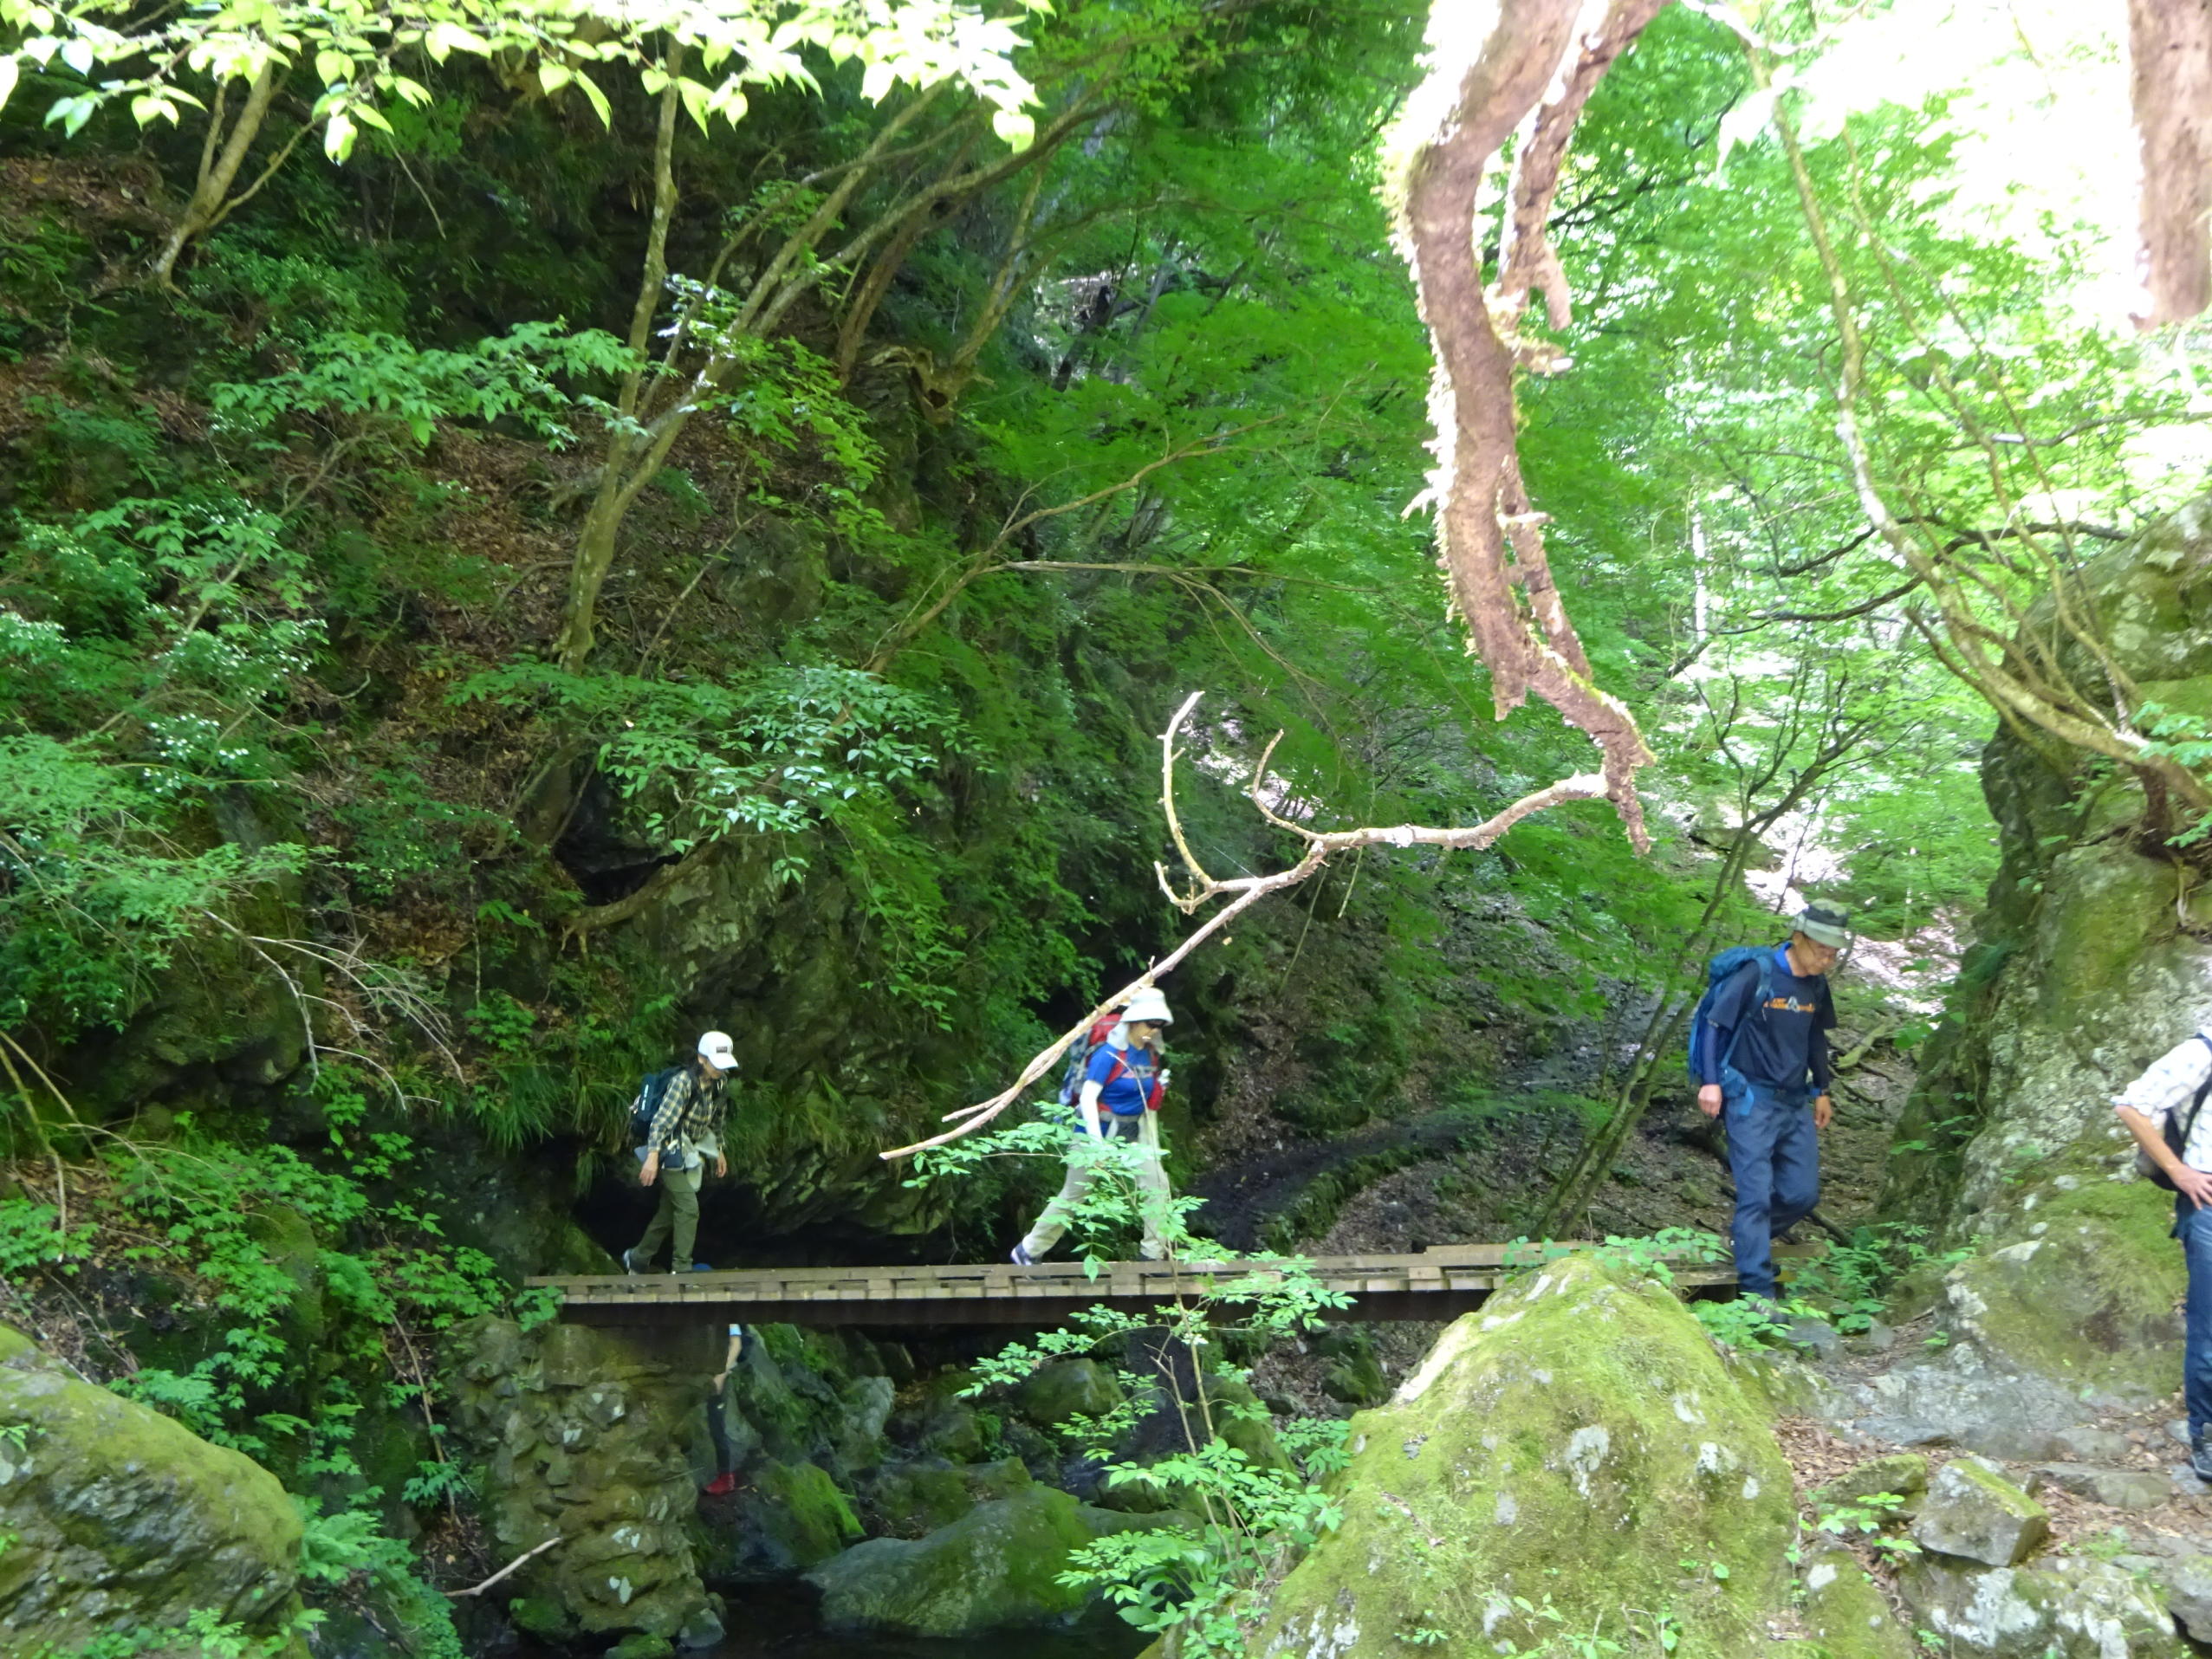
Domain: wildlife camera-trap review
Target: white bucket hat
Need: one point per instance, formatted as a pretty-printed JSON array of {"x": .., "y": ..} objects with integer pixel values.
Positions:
[{"x": 1147, "y": 1005}]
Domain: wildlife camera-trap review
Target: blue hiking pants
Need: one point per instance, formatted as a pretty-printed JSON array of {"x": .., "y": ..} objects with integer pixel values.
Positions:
[
  {"x": 2193, "y": 1226},
  {"x": 1775, "y": 1157}
]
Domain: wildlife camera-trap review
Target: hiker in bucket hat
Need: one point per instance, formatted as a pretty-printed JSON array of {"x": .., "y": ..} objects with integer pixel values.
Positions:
[
  {"x": 1759, "y": 1052},
  {"x": 1116, "y": 1080}
]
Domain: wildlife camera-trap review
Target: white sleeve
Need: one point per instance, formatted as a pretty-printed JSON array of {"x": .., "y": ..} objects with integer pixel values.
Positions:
[{"x": 2173, "y": 1080}]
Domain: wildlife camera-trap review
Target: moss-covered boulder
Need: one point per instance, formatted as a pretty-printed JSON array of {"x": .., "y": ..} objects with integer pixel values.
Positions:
[
  {"x": 1569, "y": 1458},
  {"x": 996, "y": 1568},
  {"x": 790, "y": 1517},
  {"x": 2090, "y": 962},
  {"x": 118, "y": 1517},
  {"x": 916, "y": 1498},
  {"x": 1068, "y": 1389}
]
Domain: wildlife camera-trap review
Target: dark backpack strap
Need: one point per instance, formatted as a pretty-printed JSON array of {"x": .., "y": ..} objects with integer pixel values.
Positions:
[
  {"x": 2203, "y": 1089},
  {"x": 1764, "y": 964}
]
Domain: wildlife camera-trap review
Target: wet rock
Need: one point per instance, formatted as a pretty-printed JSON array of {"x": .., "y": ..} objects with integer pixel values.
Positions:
[
  {"x": 1845, "y": 1609},
  {"x": 996, "y": 1568},
  {"x": 2114, "y": 1488},
  {"x": 2186, "y": 1583},
  {"x": 119, "y": 1517},
  {"x": 2072, "y": 1610},
  {"x": 1570, "y": 1445},
  {"x": 1973, "y": 1512}
]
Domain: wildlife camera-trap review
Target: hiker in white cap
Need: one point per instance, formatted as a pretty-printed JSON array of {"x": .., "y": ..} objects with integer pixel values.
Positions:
[
  {"x": 1115, "y": 1083},
  {"x": 686, "y": 1132}
]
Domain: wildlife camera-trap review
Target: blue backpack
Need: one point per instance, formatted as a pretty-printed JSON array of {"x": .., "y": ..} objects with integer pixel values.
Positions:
[
  {"x": 650, "y": 1092},
  {"x": 1722, "y": 969}
]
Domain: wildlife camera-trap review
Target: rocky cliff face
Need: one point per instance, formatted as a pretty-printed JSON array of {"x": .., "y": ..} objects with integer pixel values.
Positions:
[{"x": 2094, "y": 957}]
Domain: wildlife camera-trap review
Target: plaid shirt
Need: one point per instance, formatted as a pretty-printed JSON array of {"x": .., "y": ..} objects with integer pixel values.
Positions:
[
  {"x": 2169, "y": 1084},
  {"x": 690, "y": 1116}
]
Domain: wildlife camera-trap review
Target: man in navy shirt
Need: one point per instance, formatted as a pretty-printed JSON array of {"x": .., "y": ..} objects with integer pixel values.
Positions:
[
  {"x": 1123, "y": 1081},
  {"x": 1766, "y": 1060}
]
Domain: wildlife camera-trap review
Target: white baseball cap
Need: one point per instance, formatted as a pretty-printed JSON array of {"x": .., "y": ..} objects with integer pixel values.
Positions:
[{"x": 715, "y": 1050}]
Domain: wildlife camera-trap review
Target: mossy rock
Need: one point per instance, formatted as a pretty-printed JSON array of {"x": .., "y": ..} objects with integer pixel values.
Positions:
[
  {"x": 1065, "y": 1388},
  {"x": 119, "y": 1517},
  {"x": 1566, "y": 1449},
  {"x": 2091, "y": 1302},
  {"x": 1844, "y": 1608},
  {"x": 996, "y": 1568},
  {"x": 1905, "y": 1473},
  {"x": 798, "y": 1515},
  {"x": 919, "y": 1497}
]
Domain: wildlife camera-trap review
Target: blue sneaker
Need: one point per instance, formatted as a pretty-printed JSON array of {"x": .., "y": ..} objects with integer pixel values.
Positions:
[
  {"x": 628, "y": 1266},
  {"x": 696, "y": 1267},
  {"x": 1021, "y": 1257}
]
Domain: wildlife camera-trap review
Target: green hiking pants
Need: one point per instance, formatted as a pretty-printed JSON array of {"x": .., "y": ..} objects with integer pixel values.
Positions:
[{"x": 677, "y": 1213}]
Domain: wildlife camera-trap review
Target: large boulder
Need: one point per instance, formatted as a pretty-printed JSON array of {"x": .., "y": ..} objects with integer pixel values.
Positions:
[
  {"x": 119, "y": 1517},
  {"x": 1574, "y": 1451},
  {"x": 2092, "y": 960},
  {"x": 996, "y": 1568}
]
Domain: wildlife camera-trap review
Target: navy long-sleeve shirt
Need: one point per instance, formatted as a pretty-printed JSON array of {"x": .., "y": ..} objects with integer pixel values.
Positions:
[{"x": 1782, "y": 1042}]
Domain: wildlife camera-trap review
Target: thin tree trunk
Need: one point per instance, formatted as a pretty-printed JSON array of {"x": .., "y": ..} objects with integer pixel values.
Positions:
[{"x": 220, "y": 159}]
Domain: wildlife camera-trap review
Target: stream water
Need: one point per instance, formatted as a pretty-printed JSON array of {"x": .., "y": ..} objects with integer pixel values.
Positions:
[{"x": 773, "y": 1623}]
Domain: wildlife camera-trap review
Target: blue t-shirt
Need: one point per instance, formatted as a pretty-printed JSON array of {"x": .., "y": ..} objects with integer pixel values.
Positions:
[
  {"x": 1132, "y": 1072},
  {"x": 1784, "y": 1040}
]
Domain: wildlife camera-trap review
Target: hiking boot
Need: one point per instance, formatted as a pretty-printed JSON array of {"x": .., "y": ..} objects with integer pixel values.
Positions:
[
  {"x": 722, "y": 1486},
  {"x": 2200, "y": 1457},
  {"x": 1021, "y": 1257}
]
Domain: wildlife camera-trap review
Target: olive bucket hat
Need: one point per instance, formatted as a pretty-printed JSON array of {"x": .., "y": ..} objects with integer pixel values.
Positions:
[{"x": 1824, "y": 926}]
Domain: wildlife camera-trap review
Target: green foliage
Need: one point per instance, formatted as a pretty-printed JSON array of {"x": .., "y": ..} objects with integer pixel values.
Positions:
[
  {"x": 382, "y": 378},
  {"x": 1869, "y": 1517},
  {"x": 30, "y": 1240},
  {"x": 356, "y": 56},
  {"x": 779, "y": 752}
]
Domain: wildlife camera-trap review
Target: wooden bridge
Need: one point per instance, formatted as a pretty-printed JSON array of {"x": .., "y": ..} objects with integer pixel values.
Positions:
[{"x": 1439, "y": 1283}]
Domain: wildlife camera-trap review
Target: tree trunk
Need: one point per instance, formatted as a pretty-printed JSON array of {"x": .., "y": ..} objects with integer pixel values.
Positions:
[
  {"x": 220, "y": 159},
  {"x": 2170, "y": 42}
]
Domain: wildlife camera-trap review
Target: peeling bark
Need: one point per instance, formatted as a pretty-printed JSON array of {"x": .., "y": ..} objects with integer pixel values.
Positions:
[{"x": 1494, "y": 68}]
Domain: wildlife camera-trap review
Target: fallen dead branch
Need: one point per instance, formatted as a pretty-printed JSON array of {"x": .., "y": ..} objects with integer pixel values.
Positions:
[
  {"x": 1243, "y": 893},
  {"x": 535, "y": 1550}
]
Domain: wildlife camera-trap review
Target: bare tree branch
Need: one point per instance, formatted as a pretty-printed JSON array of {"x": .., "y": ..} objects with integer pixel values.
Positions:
[{"x": 1243, "y": 893}]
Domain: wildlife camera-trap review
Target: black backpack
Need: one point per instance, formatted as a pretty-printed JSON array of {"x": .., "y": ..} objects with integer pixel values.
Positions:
[
  {"x": 2176, "y": 1132},
  {"x": 650, "y": 1092}
]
